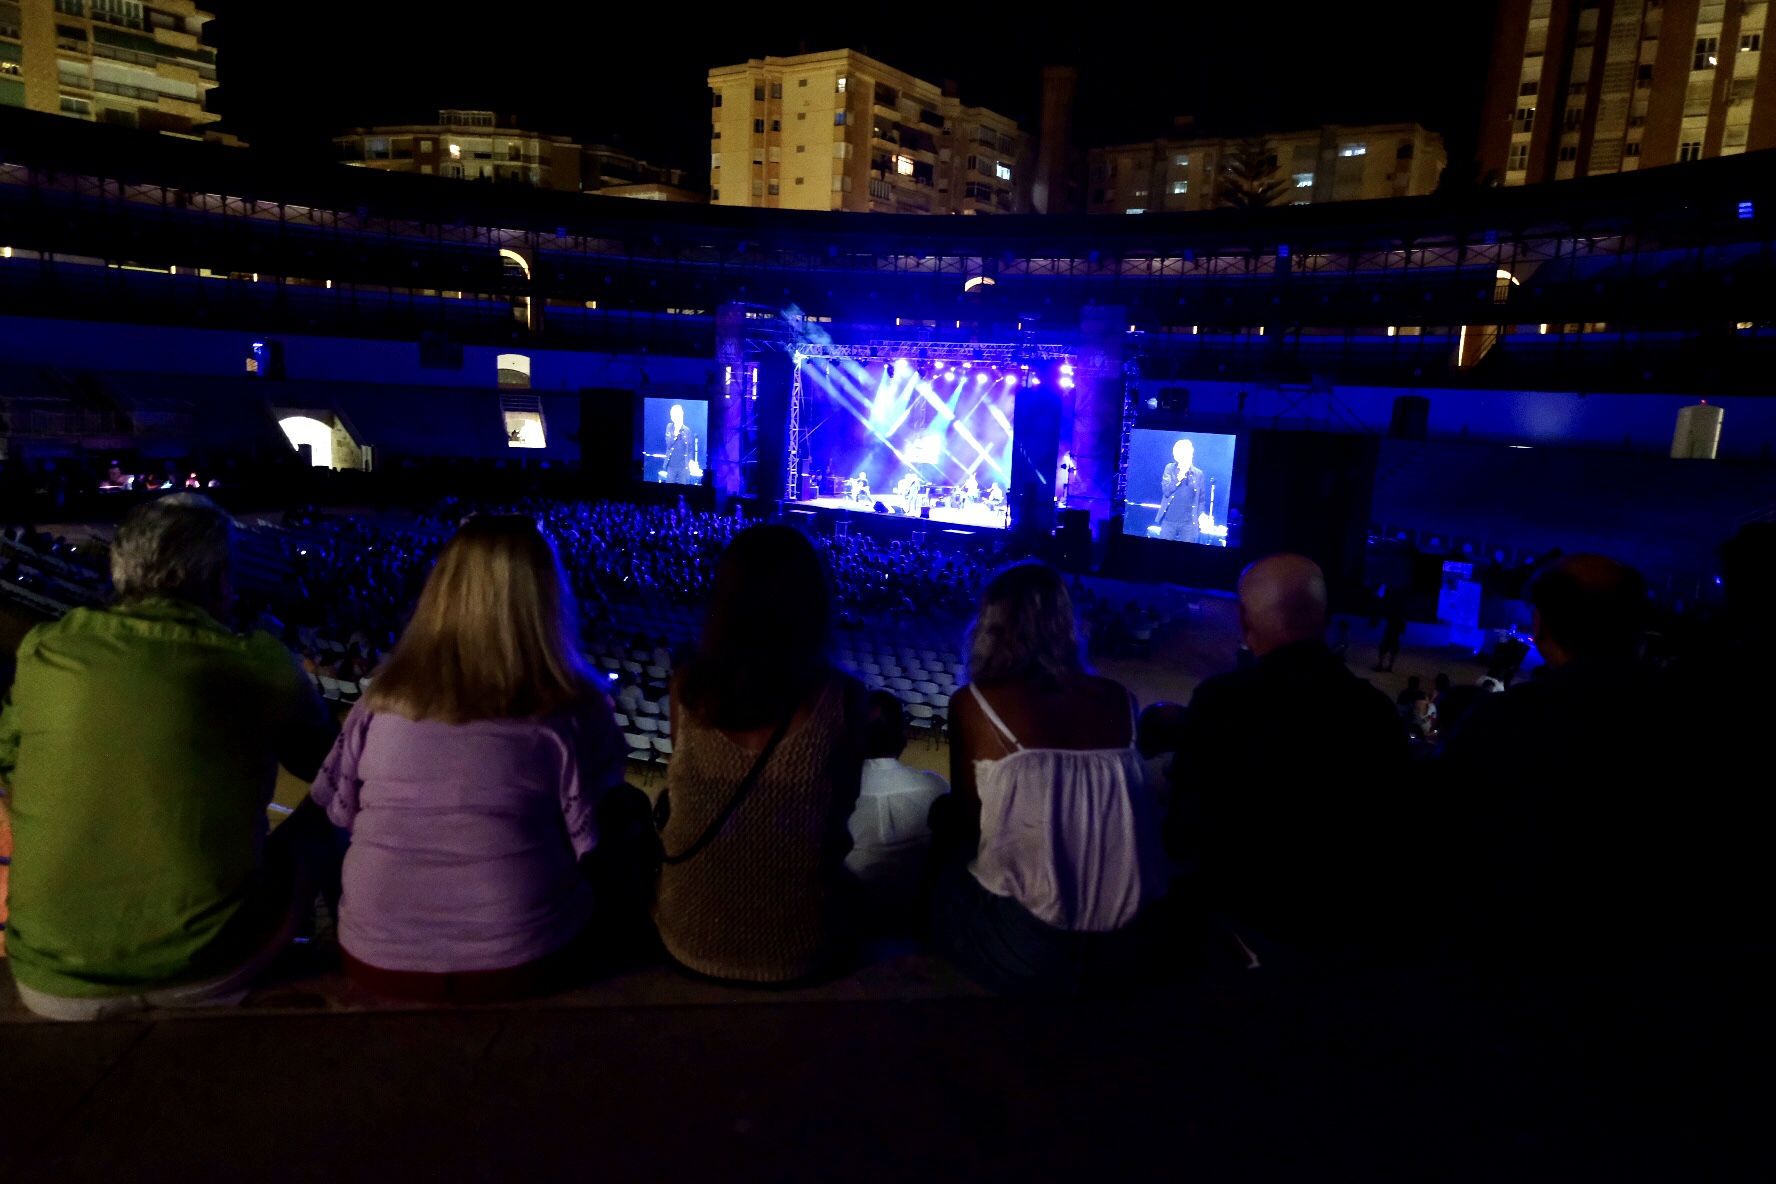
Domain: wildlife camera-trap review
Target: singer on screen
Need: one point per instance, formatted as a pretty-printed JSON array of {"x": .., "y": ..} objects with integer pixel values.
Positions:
[{"x": 1183, "y": 497}]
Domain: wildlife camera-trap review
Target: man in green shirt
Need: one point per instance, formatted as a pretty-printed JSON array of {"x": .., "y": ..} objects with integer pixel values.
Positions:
[{"x": 138, "y": 752}]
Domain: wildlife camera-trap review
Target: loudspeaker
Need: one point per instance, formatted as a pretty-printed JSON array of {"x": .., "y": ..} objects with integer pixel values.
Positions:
[
  {"x": 1698, "y": 433},
  {"x": 925, "y": 512},
  {"x": 1311, "y": 493},
  {"x": 608, "y": 442},
  {"x": 1411, "y": 419},
  {"x": 880, "y": 508},
  {"x": 1073, "y": 540}
]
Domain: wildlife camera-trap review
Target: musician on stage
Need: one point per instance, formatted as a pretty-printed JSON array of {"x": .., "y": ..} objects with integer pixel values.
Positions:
[
  {"x": 860, "y": 490},
  {"x": 678, "y": 448},
  {"x": 1064, "y": 479},
  {"x": 968, "y": 492},
  {"x": 1183, "y": 497},
  {"x": 908, "y": 489}
]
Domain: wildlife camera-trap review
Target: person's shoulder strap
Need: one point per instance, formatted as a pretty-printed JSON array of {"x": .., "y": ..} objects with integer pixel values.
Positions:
[
  {"x": 739, "y": 795},
  {"x": 993, "y": 717}
]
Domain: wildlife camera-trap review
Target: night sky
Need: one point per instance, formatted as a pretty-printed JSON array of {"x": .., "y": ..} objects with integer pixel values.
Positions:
[{"x": 291, "y": 74}]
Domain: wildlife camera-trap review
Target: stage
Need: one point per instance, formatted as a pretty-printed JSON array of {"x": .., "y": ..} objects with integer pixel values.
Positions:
[{"x": 978, "y": 516}]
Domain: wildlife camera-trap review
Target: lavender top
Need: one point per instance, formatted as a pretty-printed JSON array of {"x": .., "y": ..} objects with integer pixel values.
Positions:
[{"x": 466, "y": 838}]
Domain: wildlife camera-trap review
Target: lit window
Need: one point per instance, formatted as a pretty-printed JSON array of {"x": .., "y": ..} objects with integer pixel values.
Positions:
[
  {"x": 1353, "y": 149},
  {"x": 841, "y": 85},
  {"x": 1304, "y": 180},
  {"x": 1180, "y": 187},
  {"x": 524, "y": 429},
  {"x": 715, "y": 160},
  {"x": 1690, "y": 150},
  {"x": 1181, "y": 161},
  {"x": 1002, "y": 171},
  {"x": 838, "y": 119},
  {"x": 513, "y": 370},
  {"x": 1136, "y": 210},
  {"x": 1707, "y": 53},
  {"x": 1526, "y": 117},
  {"x": 903, "y": 165},
  {"x": 456, "y": 152},
  {"x": 1519, "y": 158},
  {"x": 1751, "y": 42}
]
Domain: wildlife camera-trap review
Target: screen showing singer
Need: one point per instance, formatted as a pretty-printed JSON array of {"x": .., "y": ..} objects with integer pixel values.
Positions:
[
  {"x": 1179, "y": 484},
  {"x": 675, "y": 440}
]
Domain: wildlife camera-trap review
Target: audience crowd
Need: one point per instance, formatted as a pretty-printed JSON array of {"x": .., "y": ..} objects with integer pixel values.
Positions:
[{"x": 471, "y": 826}]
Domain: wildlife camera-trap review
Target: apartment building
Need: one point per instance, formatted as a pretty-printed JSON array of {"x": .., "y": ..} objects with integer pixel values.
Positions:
[
  {"x": 1582, "y": 87},
  {"x": 479, "y": 146},
  {"x": 1332, "y": 163},
  {"x": 110, "y": 61},
  {"x": 842, "y": 131}
]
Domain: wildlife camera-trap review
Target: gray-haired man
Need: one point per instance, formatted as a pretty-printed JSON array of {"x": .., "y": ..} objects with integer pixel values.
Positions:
[{"x": 138, "y": 750}]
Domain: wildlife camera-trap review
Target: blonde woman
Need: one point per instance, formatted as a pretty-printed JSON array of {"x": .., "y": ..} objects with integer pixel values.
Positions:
[
  {"x": 1049, "y": 843},
  {"x": 470, "y": 776}
]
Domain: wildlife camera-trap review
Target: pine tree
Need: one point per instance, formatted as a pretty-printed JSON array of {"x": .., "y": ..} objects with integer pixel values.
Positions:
[{"x": 1249, "y": 179}]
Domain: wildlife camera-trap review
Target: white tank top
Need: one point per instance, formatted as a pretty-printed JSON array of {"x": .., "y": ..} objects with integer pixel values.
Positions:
[{"x": 1072, "y": 835}]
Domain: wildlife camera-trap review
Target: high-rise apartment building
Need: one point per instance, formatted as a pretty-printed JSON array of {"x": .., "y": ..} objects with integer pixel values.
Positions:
[
  {"x": 478, "y": 146},
  {"x": 841, "y": 131},
  {"x": 1581, "y": 87},
  {"x": 1333, "y": 163},
  {"x": 112, "y": 61}
]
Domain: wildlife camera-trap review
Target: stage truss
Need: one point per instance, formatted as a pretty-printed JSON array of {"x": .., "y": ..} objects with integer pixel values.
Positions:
[
  {"x": 1131, "y": 397},
  {"x": 995, "y": 353}
]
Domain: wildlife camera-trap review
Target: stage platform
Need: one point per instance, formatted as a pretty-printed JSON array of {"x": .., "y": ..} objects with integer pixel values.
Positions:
[{"x": 976, "y": 517}]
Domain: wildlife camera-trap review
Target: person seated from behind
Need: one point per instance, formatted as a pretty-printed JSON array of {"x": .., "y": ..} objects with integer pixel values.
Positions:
[
  {"x": 1049, "y": 852},
  {"x": 890, "y": 831},
  {"x": 1286, "y": 777},
  {"x": 139, "y": 750},
  {"x": 767, "y": 758},
  {"x": 1587, "y": 833},
  {"x": 1158, "y": 732},
  {"x": 1414, "y": 705},
  {"x": 471, "y": 776}
]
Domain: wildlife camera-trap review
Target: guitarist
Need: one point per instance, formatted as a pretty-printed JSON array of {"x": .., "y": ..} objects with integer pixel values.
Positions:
[{"x": 1184, "y": 496}]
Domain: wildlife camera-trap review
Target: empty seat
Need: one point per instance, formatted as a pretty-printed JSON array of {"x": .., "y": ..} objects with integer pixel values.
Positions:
[
  {"x": 901, "y": 684},
  {"x": 662, "y": 750},
  {"x": 641, "y": 748}
]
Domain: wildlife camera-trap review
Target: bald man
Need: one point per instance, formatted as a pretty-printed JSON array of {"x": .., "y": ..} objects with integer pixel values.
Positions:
[{"x": 1284, "y": 776}]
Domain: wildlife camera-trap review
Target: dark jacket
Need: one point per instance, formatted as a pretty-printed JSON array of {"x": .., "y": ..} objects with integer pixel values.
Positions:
[
  {"x": 1576, "y": 832},
  {"x": 1286, "y": 789}
]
